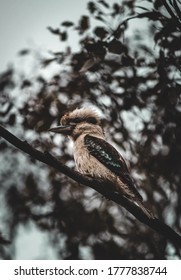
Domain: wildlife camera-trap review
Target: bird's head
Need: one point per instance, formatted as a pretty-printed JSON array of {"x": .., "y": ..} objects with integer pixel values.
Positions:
[{"x": 79, "y": 121}]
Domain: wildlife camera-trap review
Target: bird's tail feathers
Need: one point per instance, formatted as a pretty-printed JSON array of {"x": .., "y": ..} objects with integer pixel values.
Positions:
[{"x": 135, "y": 199}]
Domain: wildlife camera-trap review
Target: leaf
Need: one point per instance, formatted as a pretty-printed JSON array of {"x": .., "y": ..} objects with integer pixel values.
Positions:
[
  {"x": 100, "y": 18},
  {"x": 84, "y": 23},
  {"x": 91, "y": 7},
  {"x": 25, "y": 83},
  {"x": 12, "y": 119},
  {"x": 67, "y": 23},
  {"x": 127, "y": 60},
  {"x": 177, "y": 9},
  {"x": 116, "y": 9},
  {"x": 54, "y": 31},
  {"x": 100, "y": 32},
  {"x": 23, "y": 52},
  {"x": 97, "y": 48},
  {"x": 116, "y": 47},
  {"x": 88, "y": 64},
  {"x": 46, "y": 62},
  {"x": 63, "y": 36},
  {"x": 5, "y": 112},
  {"x": 158, "y": 4},
  {"x": 102, "y": 2}
]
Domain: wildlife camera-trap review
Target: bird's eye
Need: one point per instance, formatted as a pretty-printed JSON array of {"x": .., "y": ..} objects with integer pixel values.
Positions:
[
  {"x": 75, "y": 121},
  {"x": 91, "y": 120},
  {"x": 78, "y": 120}
]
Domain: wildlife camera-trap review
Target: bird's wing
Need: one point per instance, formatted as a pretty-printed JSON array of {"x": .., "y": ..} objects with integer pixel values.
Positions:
[{"x": 110, "y": 158}]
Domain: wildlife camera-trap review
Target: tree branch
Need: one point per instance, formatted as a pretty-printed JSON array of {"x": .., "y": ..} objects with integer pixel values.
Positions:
[
  {"x": 173, "y": 16},
  {"x": 107, "y": 189}
]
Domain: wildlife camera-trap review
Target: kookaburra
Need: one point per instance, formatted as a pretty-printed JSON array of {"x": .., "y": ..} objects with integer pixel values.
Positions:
[{"x": 94, "y": 156}]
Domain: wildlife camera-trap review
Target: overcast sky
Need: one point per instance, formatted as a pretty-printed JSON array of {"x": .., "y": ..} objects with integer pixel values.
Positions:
[{"x": 23, "y": 23}]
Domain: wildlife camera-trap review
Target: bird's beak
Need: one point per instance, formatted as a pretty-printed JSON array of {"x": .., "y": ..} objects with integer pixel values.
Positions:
[{"x": 66, "y": 129}]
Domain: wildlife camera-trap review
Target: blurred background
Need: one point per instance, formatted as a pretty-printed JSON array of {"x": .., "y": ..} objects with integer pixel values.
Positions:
[{"x": 122, "y": 58}]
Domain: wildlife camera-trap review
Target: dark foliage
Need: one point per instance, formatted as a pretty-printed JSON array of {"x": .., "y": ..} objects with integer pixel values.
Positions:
[{"x": 136, "y": 83}]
